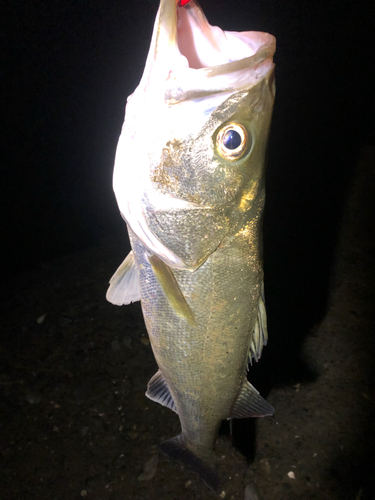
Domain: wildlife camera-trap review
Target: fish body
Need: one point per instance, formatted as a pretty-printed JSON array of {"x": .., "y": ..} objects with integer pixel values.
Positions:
[{"x": 189, "y": 181}]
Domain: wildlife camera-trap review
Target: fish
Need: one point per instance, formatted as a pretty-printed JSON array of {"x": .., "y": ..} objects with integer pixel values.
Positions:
[{"x": 189, "y": 180}]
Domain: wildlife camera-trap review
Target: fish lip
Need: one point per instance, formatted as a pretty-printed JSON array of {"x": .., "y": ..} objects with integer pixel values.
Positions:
[
  {"x": 264, "y": 52},
  {"x": 176, "y": 93}
]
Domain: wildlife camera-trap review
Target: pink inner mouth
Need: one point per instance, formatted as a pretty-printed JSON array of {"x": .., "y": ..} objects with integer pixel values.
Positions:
[
  {"x": 205, "y": 46},
  {"x": 196, "y": 38}
]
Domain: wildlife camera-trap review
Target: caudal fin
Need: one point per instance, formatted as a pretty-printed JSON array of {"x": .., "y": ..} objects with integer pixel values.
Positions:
[{"x": 176, "y": 449}]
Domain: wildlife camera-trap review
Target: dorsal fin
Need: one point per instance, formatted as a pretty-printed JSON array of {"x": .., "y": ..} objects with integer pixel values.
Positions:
[
  {"x": 250, "y": 403},
  {"x": 171, "y": 288},
  {"x": 158, "y": 391},
  {"x": 124, "y": 284},
  {"x": 260, "y": 335}
]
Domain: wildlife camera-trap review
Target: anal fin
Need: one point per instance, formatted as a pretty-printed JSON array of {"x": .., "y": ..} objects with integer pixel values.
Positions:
[
  {"x": 250, "y": 403},
  {"x": 158, "y": 391},
  {"x": 124, "y": 284}
]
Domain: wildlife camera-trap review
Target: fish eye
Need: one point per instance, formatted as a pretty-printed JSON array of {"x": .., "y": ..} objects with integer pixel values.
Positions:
[{"x": 232, "y": 141}]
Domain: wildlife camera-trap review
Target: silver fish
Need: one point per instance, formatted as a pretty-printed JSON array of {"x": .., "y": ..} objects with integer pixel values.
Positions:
[{"x": 189, "y": 181}]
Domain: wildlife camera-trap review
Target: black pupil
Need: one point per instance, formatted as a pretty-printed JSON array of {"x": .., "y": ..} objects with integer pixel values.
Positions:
[{"x": 232, "y": 139}]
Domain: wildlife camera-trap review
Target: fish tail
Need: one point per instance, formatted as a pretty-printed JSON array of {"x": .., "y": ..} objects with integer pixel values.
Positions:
[{"x": 176, "y": 449}]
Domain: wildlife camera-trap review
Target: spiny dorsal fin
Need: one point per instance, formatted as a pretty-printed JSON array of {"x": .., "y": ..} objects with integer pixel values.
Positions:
[
  {"x": 260, "y": 335},
  {"x": 171, "y": 288},
  {"x": 124, "y": 284},
  {"x": 158, "y": 391},
  {"x": 262, "y": 315},
  {"x": 250, "y": 403}
]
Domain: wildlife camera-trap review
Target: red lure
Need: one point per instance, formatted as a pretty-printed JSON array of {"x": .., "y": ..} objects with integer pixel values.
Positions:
[{"x": 183, "y": 2}]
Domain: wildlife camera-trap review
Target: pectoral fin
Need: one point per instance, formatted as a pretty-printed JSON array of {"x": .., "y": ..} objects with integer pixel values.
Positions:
[
  {"x": 124, "y": 284},
  {"x": 171, "y": 289},
  {"x": 251, "y": 404},
  {"x": 158, "y": 391}
]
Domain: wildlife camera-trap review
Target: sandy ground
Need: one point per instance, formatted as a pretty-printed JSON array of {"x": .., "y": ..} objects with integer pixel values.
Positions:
[{"x": 74, "y": 369}]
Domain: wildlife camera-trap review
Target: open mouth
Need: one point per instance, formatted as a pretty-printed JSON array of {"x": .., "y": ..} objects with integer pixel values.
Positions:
[{"x": 205, "y": 46}]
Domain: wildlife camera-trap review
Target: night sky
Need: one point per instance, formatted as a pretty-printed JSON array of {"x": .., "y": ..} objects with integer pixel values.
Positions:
[{"x": 70, "y": 66}]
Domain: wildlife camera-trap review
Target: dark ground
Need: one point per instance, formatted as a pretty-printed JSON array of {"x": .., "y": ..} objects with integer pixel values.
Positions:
[{"x": 74, "y": 418}]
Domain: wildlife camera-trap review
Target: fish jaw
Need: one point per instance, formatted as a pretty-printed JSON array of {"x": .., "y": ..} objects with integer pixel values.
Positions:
[{"x": 191, "y": 69}]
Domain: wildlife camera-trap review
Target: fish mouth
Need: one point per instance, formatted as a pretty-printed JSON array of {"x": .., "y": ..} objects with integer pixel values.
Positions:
[
  {"x": 206, "y": 46},
  {"x": 196, "y": 59}
]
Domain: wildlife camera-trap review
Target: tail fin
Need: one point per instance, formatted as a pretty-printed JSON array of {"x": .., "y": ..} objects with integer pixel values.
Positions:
[{"x": 176, "y": 449}]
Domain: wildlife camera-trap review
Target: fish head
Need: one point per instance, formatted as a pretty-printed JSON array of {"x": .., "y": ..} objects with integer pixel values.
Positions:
[{"x": 189, "y": 167}]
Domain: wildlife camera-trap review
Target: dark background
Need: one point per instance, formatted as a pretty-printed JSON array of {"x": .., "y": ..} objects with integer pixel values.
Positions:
[{"x": 69, "y": 67}]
